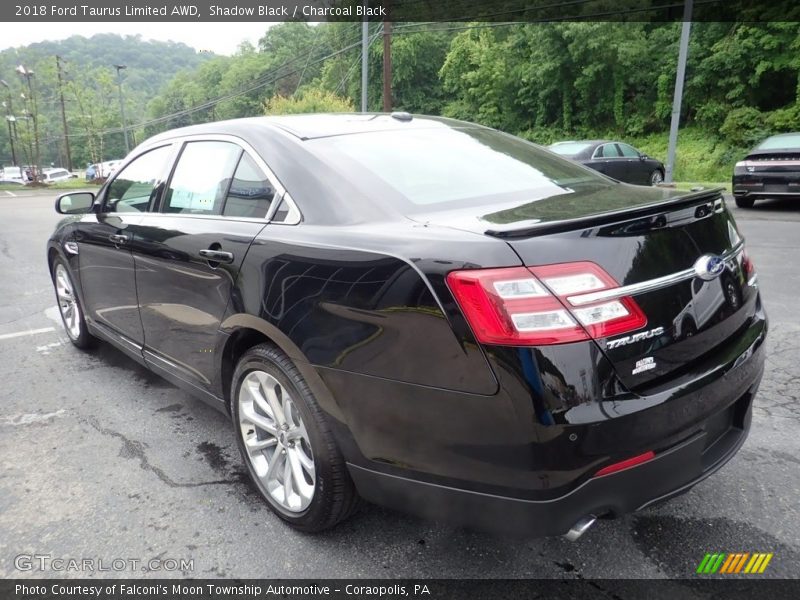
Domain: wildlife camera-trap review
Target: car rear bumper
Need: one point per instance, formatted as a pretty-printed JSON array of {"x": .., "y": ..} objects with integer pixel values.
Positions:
[
  {"x": 694, "y": 425},
  {"x": 670, "y": 473},
  {"x": 767, "y": 185}
]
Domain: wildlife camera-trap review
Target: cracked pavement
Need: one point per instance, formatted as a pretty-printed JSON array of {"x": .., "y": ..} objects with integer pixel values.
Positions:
[{"x": 99, "y": 458}]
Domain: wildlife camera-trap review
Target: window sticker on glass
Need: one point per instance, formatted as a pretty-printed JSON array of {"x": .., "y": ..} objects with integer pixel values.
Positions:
[{"x": 202, "y": 177}]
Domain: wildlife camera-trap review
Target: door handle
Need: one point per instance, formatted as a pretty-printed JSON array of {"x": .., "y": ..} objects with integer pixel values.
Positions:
[
  {"x": 119, "y": 238},
  {"x": 219, "y": 256}
]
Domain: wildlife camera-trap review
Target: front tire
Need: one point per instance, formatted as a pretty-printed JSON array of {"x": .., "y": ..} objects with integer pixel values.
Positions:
[
  {"x": 286, "y": 443},
  {"x": 744, "y": 202},
  {"x": 69, "y": 306},
  {"x": 656, "y": 177}
]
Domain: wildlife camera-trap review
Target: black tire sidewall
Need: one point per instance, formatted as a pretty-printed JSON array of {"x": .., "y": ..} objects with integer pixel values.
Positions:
[{"x": 272, "y": 361}]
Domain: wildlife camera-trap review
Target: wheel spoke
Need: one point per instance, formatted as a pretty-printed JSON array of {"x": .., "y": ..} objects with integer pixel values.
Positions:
[
  {"x": 262, "y": 423},
  {"x": 254, "y": 444},
  {"x": 272, "y": 470},
  {"x": 256, "y": 393},
  {"x": 296, "y": 460},
  {"x": 287, "y": 479},
  {"x": 267, "y": 386},
  {"x": 305, "y": 460}
]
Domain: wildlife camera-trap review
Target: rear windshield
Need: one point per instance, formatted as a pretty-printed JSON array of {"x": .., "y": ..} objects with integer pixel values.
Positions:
[
  {"x": 569, "y": 148},
  {"x": 780, "y": 141},
  {"x": 449, "y": 166}
]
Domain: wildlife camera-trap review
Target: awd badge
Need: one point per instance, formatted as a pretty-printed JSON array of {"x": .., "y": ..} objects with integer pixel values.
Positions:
[{"x": 643, "y": 365}]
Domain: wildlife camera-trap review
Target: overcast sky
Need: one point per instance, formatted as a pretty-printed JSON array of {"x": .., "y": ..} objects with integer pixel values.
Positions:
[{"x": 221, "y": 38}]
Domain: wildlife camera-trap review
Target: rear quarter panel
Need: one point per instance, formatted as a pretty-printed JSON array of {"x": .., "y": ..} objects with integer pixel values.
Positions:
[{"x": 371, "y": 300}]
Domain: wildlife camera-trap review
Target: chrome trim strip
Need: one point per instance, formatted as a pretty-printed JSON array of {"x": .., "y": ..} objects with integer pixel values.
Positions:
[
  {"x": 280, "y": 189},
  {"x": 646, "y": 286}
]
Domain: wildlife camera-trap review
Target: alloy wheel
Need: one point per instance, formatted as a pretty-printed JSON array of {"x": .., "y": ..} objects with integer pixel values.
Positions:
[
  {"x": 656, "y": 178},
  {"x": 67, "y": 302},
  {"x": 276, "y": 441}
]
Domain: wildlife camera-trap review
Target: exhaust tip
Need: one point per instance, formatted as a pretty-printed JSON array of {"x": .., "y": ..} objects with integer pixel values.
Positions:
[{"x": 581, "y": 526}]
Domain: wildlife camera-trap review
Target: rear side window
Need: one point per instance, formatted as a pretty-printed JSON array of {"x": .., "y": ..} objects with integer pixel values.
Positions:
[
  {"x": 609, "y": 151},
  {"x": 201, "y": 178},
  {"x": 628, "y": 151},
  {"x": 250, "y": 193},
  {"x": 136, "y": 185}
]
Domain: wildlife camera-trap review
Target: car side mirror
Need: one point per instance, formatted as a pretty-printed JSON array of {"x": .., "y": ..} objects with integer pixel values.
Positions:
[
  {"x": 75, "y": 203},
  {"x": 643, "y": 156}
]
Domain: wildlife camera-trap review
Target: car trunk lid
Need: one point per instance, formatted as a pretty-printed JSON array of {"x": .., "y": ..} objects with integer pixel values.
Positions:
[{"x": 653, "y": 243}]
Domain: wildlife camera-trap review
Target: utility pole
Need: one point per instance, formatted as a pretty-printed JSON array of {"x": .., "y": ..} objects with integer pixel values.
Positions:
[
  {"x": 10, "y": 118},
  {"x": 122, "y": 107},
  {"x": 28, "y": 74},
  {"x": 678, "y": 97},
  {"x": 63, "y": 113},
  {"x": 387, "y": 66},
  {"x": 364, "y": 61}
]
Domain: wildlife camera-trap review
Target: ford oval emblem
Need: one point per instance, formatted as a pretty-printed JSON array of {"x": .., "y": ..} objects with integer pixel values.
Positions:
[{"x": 709, "y": 266}]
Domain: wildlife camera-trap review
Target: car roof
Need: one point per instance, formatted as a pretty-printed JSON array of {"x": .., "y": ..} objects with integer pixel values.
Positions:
[
  {"x": 313, "y": 126},
  {"x": 592, "y": 142}
]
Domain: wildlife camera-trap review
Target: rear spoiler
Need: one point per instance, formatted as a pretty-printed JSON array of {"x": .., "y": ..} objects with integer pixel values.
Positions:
[
  {"x": 534, "y": 228},
  {"x": 770, "y": 151}
]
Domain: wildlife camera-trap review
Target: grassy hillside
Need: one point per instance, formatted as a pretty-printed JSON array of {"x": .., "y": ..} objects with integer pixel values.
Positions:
[{"x": 700, "y": 156}]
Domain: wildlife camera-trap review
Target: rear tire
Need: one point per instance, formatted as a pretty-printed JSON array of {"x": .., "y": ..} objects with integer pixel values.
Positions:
[
  {"x": 69, "y": 306},
  {"x": 744, "y": 202},
  {"x": 290, "y": 453}
]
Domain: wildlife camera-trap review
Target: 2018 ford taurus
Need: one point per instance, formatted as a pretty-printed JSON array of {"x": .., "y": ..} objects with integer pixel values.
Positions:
[{"x": 424, "y": 313}]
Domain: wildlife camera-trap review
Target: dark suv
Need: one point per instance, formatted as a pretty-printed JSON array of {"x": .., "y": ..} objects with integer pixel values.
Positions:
[{"x": 429, "y": 314}]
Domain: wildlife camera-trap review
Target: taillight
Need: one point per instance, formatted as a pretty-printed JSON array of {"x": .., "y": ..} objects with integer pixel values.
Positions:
[
  {"x": 522, "y": 306},
  {"x": 747, "y": 264}
]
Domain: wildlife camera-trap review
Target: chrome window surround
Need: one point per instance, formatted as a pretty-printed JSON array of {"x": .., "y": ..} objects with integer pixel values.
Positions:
[
  {"x": 293, "y": 217},
  {"x": 646, "y": 286}
]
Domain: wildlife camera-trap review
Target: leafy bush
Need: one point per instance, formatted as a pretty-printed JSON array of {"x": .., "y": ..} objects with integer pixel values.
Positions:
[
  {"x": 784, "y": 120},
  {"x": 310, "y": 100},
  {"x": 744, "y": 127}
]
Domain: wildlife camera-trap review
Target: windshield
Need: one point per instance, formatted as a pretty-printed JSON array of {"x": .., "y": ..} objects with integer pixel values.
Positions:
[
  {"x": 569, "y": 148},
  {"x": 453, "y": 166},
  {"x": 780, "y": 141}
]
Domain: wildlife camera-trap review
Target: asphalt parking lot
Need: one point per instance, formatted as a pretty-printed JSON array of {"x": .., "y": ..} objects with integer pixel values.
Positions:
[{"x": 101, "y": 459}]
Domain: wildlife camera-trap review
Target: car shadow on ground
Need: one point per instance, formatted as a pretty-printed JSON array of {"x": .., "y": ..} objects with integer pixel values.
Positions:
[{"x": 773, "y": 205}]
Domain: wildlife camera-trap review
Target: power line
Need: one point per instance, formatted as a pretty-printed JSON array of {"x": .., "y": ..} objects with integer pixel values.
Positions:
[
  {"x": 356, "y": 61},
  {"x": 264, "y": 80},
  {"x": 401, "y": 29}
]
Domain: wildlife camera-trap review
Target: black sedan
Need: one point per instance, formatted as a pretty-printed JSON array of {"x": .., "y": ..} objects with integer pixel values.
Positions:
[
  {"x": 770, "y": 170},
  {"x": 424, "y": 313},
  {"x": 615, "y": 159}
]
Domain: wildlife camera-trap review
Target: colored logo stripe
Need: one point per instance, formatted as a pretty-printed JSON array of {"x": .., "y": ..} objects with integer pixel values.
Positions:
[{"x": 721, "y": 562}]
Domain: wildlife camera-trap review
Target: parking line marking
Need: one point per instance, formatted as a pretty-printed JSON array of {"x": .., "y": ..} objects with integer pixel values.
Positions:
[
  {"x": 8, "y": 336},
  {"x": 10, "y": 194}
]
